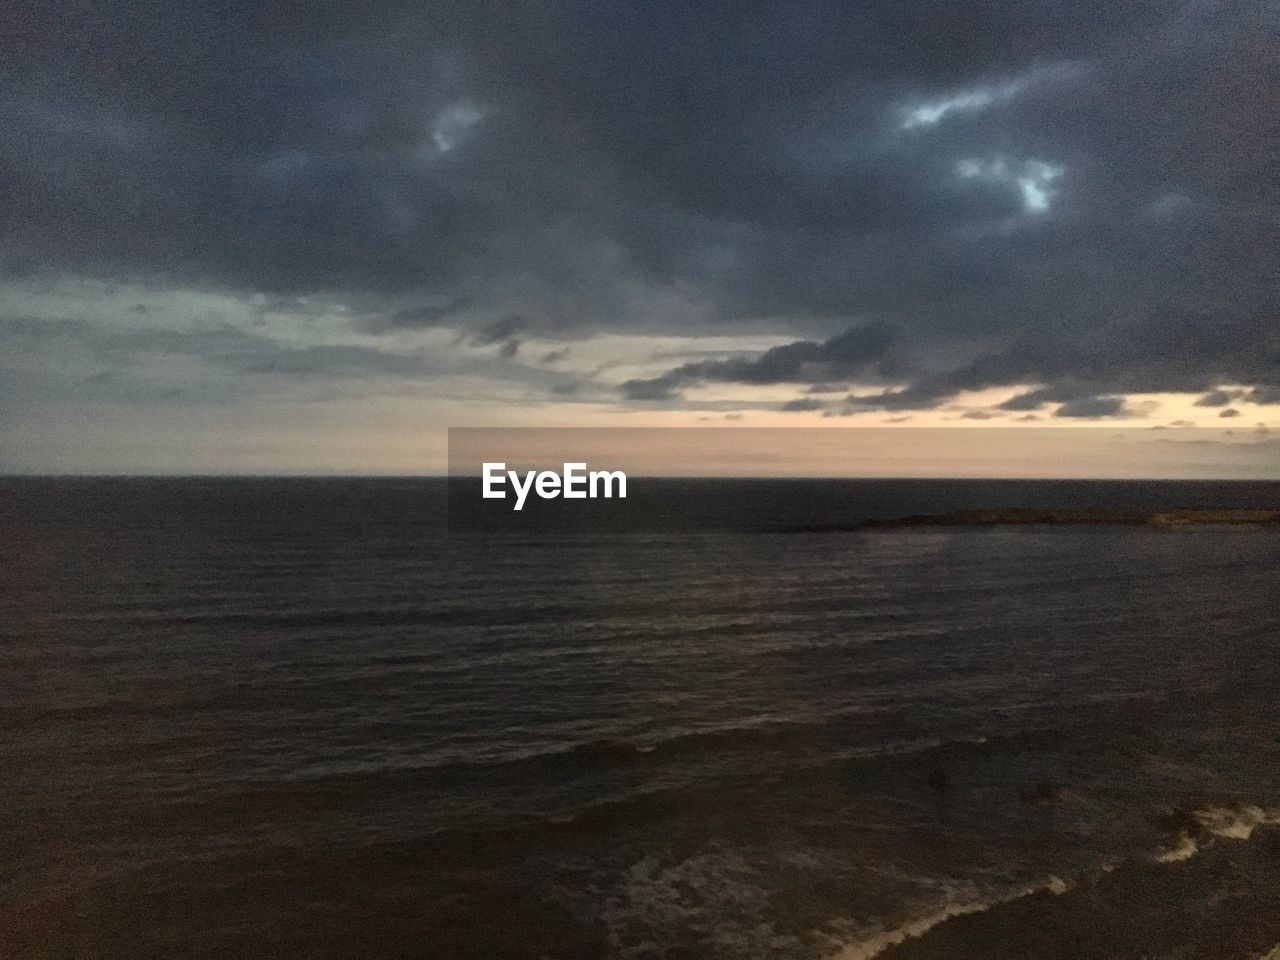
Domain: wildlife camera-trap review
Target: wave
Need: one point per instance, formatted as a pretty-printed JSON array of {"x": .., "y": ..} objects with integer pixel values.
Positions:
[
  {"x": 867, "y": 739},
  {"x": 1223, "y": 822},
  {"x": 1236, "y": 823},
  {"x": 1221, "y": 830},
  {"x": 877, "y": 943}
]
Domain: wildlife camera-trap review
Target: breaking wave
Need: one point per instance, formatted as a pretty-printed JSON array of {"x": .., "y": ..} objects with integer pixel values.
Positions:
[{"x": 1207, "y": 826}]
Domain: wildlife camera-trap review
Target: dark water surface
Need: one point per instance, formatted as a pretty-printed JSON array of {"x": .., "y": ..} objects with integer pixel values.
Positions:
[{"x": 296, "y": 718}]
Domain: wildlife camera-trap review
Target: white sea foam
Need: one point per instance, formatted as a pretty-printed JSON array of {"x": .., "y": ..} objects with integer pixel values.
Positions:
[
  {"x": 1236, "y": 823},
  {"x": 719, "y": 899},
  {"x": 1184, "y": 849},
  {"x": 876, "y": 942},
  {"x": 1225, "y": 822}
]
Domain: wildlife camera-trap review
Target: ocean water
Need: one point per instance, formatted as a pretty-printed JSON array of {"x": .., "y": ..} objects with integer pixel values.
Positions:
[{"x": 300, "y": 718}]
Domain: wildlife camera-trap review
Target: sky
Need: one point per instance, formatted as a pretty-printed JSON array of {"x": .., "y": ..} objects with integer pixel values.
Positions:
[{"x": 292, "y": 237}]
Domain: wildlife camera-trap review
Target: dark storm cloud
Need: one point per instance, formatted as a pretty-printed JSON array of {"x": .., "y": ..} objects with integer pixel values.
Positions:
[
  {"x": 503, "y": 334},
  {"x": 420, "y": 317},
  {"x": 1264, "y": 394},
  {"x": 1082, "y": 371},
  {"x": 1160, "y": 354},
  {"x": 656, "y": 388},
  {"x": 856, "y": 352},
  {"x": 1091, "y": 408},
  {"x": 500, "y": 331},
  {"x": 1070, "y": 194},
  {"x": 803, "y": 404},
  {"x": 1217, "y": 398}
]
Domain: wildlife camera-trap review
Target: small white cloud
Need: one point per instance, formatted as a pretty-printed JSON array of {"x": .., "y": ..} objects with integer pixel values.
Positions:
[
  {"x": 1034, "y": 178},
  {"x": 452, "y": 123},
  {"x": 989, "y": 169},
  {"x": 927, "y": 114},
  {"x": 1035, "y": 183},
  {"x": 930, "y": 112}
]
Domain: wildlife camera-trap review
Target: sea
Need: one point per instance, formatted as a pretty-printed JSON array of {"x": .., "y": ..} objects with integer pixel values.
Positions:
[{"x": 269, "y": 718}]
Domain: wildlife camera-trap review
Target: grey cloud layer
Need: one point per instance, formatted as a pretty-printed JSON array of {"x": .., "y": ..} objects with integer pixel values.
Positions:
[
  {"x": 1084, "y": 373},
  {"x": 1082, "y": 195},
  {"x": 855, "y": 354}
]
